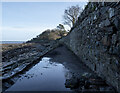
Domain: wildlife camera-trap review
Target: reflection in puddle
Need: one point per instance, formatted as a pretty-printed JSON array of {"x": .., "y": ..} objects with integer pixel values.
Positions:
[{"x": 44, "y": 76}]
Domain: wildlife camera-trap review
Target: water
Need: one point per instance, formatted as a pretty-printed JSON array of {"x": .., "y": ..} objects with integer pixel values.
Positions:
[
  {"x": 11, "y": 42},
  {"x": 44, "y": 76},
  {"x": 51, "y": 72}
]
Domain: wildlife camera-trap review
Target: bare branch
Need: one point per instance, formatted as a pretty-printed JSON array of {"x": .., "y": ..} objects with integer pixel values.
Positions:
[{"x": 71, "y": 15}]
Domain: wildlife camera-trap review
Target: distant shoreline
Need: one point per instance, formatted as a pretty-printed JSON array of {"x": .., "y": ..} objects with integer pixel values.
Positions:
[{"x": 12, "y": 42}]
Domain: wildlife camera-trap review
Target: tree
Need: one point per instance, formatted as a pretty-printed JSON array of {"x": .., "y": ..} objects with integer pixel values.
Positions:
[
  {"x": 71, "y": 15},
  {"x": 60, "y": 27}
]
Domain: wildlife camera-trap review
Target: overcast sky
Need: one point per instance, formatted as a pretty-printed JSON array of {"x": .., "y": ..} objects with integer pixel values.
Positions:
[{"x": 22, "y": 21}]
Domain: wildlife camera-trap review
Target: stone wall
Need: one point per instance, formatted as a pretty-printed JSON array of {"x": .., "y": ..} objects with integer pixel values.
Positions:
[{"x": 95, "y": 39}]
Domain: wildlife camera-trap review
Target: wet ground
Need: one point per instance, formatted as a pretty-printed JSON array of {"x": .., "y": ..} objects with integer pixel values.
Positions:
[
  {"x": 60, "y": 70},
  {"x": 44, "y": 76}
]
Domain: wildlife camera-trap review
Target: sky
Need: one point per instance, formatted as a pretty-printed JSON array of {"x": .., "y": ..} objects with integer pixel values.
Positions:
[{"x": 22, "y": 21}]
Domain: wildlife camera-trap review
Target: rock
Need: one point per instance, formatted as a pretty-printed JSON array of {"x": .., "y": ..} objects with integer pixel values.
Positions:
[
  {"x": 81, "y": 82},
  {"x": 97, "y": 82},
  {"x": 98, "y": 37},
  {"x": 72, "y": 83},
  {"x": 104, "y": 23},
  {"x": 109, "y": 30},
  {"x": 106, "y": 41},
  {"x": 86, "y": 75},
  {"x": 14, "y": 79},
  {"x": 97, "y": 43},
  {"x": 111, "y": 50},
  {"x": 111, "y": 12},
  {"x": 114, "y": 50},
  {"x": 103, "y": 10},
  {"x": 87, "y": 84},
  {"x": 114, "y": 39},
  {"x": 7, "y": 68},
  {"x": 7, "y": 84},
  {"x": 117, "y": 23},
  {"x": 95, "y": 17},
  {"x": 107, "y": 89},
  {"x": 93, "y": 87}
]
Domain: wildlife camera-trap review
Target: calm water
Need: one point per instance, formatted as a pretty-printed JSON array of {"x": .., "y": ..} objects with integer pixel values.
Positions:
[
  {"x": 51, "y": 72},
  {"x": 11, "y": 42},
  {"x": 44, "y": 76}
]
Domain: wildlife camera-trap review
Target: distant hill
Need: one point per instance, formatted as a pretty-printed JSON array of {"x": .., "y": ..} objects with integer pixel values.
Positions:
[{"x": 49, "y": 35}]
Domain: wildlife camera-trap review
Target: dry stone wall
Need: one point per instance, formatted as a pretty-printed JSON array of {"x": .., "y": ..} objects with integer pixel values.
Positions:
[{"x": 95, "y": 39}]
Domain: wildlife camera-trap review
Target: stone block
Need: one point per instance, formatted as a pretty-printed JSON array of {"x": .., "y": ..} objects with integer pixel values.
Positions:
[
  {"x": 106, "y": 41},
  {"x": 117, "y": 23},
  {"x": 114, "y": 39},
  {"x": 104, "y": 23},
  {"x": 111, "y": 12},
  {"x": 109, "y": 30}
]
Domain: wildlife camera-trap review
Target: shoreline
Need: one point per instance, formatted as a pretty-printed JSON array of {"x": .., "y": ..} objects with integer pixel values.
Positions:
[
  {"x": 18, "y": 59},
  {"x": 7, "y": 47},
  {"x": 12, "y": 42}
]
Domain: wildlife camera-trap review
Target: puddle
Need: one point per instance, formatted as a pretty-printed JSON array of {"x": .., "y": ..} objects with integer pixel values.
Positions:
[
  {"x": 61, "y": 71},
  {"x": 44, "y": 76}
]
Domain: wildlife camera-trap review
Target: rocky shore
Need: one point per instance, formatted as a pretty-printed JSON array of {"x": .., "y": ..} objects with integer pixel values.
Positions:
[
  {"x": 18, "y": 58},
  {"x": 88, "y": 83}
]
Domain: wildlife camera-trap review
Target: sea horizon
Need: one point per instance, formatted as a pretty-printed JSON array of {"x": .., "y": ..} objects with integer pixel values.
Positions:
[{"x": 12, "y": 42}]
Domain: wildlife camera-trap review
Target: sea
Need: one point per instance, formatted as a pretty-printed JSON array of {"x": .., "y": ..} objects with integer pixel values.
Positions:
[{"x": 12, "y": 42}]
